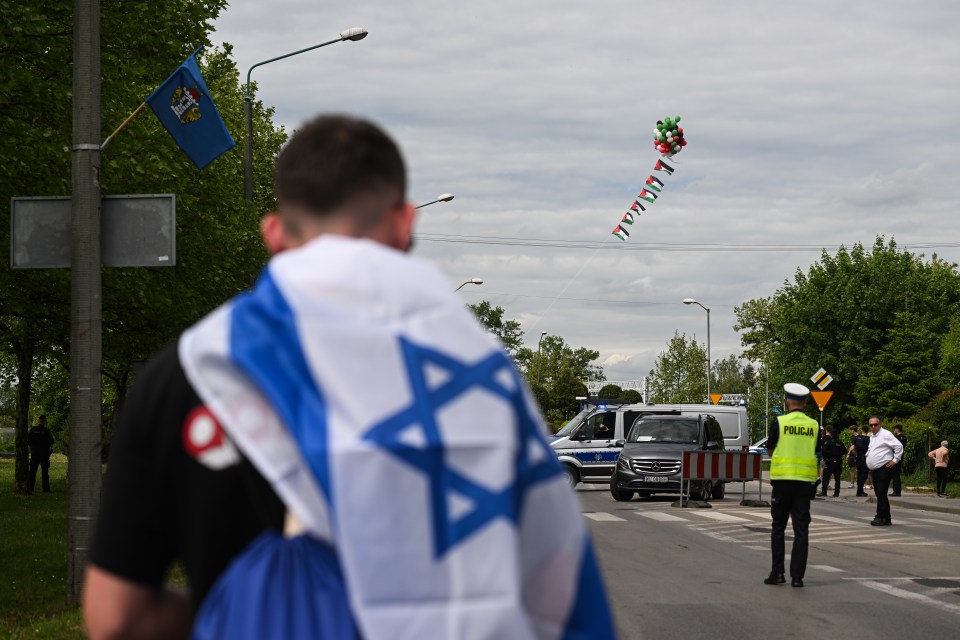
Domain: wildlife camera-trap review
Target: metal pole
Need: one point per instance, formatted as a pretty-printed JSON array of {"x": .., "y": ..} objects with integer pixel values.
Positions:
[
  {"x": 83, "y": 470},
  {"x": 248, "y": 116},
  {"x": 248, "y": 147},
  {"x": 709, "y": 361}
]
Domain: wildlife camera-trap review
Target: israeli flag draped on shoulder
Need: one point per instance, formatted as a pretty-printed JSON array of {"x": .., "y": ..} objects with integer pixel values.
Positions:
[
  {"x": 400, "y": 435},
  {"x": 185, "y": 108}
]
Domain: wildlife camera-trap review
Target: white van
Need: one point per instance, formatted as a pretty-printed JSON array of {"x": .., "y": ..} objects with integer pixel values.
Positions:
[{"x": 588, "y": 446}]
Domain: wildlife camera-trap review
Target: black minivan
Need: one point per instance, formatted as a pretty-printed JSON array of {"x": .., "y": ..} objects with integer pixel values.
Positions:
[{"x": 650, "y": 460}]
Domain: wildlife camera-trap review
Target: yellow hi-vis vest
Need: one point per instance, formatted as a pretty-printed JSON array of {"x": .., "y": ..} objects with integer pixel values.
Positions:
[{"x": 795, "y": 457}]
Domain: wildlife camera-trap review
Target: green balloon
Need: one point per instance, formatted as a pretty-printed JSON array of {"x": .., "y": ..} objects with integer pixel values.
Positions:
[{"x": 677, "y": 119}]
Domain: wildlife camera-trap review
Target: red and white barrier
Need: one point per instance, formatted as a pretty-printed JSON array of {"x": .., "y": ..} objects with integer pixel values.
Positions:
[
  {"x": 733, "y": 466},
  {"x": 730, "y": 466}
]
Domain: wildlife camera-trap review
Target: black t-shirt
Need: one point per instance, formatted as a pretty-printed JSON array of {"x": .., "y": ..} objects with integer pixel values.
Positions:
[
  {"x": 176, "y": 487},
  {"x": 861, "y": 443}
]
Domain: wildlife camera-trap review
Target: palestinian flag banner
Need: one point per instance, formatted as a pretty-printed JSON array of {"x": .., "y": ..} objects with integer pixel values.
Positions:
[
  {"x": 621, "y": 233},
  {"x": 636, "y": 206},
  {"x": 649, "y": 196},
  {"x": 663, "y": 166},
  {"x": 654, "y": 184},
  {"x": 627, "y": 218}
]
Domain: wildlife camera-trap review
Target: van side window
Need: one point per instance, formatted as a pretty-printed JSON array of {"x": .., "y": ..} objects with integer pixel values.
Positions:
[
  {"x": 714, "y": 432},
  {"x": 599, "y": 426}
]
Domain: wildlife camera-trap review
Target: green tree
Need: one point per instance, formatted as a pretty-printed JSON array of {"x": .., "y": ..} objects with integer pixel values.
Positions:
[
  {"x": 939, "y": 420},
  {"x": 611, "y": 391},
  {"x": 733, "y": 375},
  {"x": 839, "y": 314},
  {"x": 949, "y": 367},
  {"x": 632, "y": 396},
  {"x": 217, "y": 230},
  {"x": 508, "y": 331},
  {"x": 679, "y": 373},
  {"x": 554, "y": 360},
  {"x": 903, "y": 376}
]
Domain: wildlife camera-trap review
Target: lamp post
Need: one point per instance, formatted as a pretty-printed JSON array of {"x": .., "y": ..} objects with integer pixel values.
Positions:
[
  {"x": 470, "y": 281},
  {"x": 709, "y": 361},
  {"x": 353, "y": 34},
  {"x": 539, "y": 357},
  {"x": 446, "y": 197}
]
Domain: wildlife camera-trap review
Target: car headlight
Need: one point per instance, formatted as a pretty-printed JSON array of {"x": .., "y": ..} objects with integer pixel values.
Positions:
[{"x": 623, "y": 461}]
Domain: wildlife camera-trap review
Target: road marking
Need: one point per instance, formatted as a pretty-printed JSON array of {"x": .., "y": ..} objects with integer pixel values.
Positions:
[
  {"x": 838, "y": 520},
  {"x": 935, "y": 521},
  {"x": 897, "y": 592},
  {"x": 660, "y": 516},
  {"x": 720, "y": 517},
  {"x": 825, "y": 567},
  {"x": 604, "y": 517},
  {"x": 756, "y": 548}
]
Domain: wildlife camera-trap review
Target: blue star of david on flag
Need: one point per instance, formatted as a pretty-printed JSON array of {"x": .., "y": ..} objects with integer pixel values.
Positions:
[{"x": 534, "y": 461}]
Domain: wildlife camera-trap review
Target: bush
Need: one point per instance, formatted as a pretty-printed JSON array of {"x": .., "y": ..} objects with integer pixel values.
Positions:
[{"x": 939, "y": 420}]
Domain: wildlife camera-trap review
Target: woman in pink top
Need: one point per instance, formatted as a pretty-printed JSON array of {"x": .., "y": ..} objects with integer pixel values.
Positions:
[{"x": 941, "y": 457}]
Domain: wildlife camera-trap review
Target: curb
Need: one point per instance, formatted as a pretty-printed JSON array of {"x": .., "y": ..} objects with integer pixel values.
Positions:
[{"x": 907, "y": 504}]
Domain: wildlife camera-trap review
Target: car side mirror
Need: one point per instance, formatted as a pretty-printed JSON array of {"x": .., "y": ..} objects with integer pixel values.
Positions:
[
  {"x": 621, "y": 442},
  {"x": 713, "y": 446}
]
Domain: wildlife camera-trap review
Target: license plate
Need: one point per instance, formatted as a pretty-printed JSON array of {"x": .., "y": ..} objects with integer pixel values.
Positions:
[{"x": 656, "y": 479}]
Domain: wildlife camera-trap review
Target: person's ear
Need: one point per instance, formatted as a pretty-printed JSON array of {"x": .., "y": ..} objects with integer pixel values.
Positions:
[
  {"x": 403, "y": 226},
  {"x": 272, "y": 232}
]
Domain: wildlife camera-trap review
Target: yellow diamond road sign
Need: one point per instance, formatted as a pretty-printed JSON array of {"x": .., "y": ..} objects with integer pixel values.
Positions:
[{"x": 821, "y": 378}]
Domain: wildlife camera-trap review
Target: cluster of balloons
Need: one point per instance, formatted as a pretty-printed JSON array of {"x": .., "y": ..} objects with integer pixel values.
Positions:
[{"x": 668, "y": 137}]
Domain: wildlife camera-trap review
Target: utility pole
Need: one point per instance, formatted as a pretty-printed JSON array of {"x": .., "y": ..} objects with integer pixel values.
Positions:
[{"x": 83, "y": 471}]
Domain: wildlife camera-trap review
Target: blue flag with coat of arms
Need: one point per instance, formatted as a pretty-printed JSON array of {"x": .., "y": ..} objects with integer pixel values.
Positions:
[
  {"x": 407, "y": 449},
  {"x": 185, "y": 108}
]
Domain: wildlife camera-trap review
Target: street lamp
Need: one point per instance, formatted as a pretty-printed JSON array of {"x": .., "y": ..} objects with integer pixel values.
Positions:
[
  {"x": 692, "y": 301},
  {"x": 539, "y": 357},
  {"x": 446, "y": 197},
  {"x": 353, "y": 34},
  {"x": 470, "y": 281}
]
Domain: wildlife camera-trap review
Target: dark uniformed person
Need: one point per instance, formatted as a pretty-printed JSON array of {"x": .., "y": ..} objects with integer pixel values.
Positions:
[
  {"x": 832, "y": 451},
  {"x": 860, "y": 445},
  {"x": 41, "y": 446},
  {"x": 895, "y": 482},
  {"x": 794, "y": 445}
]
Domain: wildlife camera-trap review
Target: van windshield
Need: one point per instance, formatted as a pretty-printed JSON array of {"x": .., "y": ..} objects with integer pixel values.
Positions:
[
  {"x": 574, "y": 423},
  {"x": 656, "y": 430}
]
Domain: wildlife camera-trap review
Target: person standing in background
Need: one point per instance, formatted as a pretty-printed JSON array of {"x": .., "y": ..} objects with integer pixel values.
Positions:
[
  {"x": 883, "y": 455},
  {"x": 941, "y": 458},
  {"x": 41, "y": 446},
  {"x": 895, "y": 482}
]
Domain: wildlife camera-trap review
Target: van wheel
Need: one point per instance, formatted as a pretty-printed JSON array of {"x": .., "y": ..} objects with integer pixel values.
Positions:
[
  {"x": 571, "y": 474},
  {"x": 620, "y": 495},
  {"x": 719, "y": 491}
]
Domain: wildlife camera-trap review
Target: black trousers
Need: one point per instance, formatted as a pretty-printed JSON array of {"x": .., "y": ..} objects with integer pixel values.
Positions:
[
  {"x": 790, "y": 499},
  {"x": 941, "y": 479},
  {"x": 881, "y": 484},
  {"x": 895, "y": 479},
  {"x": 44, "y": 464},
  {"x": 862, "y": 473},
  {"x": 831, "y": 469}
]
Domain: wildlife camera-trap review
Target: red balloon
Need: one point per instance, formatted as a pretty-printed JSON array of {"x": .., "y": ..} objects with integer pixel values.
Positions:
[
  {"x": 683, "y": 143},
  {"x": 680, "y": 129}
]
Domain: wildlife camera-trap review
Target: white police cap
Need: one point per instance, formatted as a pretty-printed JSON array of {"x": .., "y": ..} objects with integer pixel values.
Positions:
[{"x": 796, "y": 391}]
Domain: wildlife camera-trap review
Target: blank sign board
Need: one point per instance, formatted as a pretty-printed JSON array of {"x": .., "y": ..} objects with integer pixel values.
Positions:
[{"x": 135, "y": 231}]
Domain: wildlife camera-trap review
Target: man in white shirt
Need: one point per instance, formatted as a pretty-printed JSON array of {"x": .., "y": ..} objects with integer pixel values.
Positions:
[{"x": 883, "y": 455}]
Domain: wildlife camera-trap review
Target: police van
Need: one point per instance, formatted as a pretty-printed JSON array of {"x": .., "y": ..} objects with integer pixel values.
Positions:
[{"x": 588, "y": 446}]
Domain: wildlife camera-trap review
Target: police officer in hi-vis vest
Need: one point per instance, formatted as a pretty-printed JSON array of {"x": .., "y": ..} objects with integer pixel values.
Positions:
[{"x": 794, "y": 442}]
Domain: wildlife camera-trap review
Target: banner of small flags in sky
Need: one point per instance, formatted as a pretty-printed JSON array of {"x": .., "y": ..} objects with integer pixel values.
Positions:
[
  {"x": 669, "y": 140},
  {"x": 648, "y": 194}
]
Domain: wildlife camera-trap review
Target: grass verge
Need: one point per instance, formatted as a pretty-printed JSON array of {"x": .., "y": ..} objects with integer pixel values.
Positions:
[{"x": 33, "y": 553}]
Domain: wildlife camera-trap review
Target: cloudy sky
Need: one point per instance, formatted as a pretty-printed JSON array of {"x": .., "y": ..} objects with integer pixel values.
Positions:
[{"x": 810, "y": 125}]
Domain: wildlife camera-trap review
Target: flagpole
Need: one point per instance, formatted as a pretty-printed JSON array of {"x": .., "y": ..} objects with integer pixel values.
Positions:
[{"x": 122, "y": 125}]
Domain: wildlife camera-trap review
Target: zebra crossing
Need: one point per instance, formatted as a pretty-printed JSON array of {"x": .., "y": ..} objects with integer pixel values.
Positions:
[{"x": 751, "y": 526}]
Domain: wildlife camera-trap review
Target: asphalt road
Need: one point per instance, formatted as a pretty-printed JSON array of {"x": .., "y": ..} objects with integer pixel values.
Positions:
[{"x": 697, "y": 572}]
